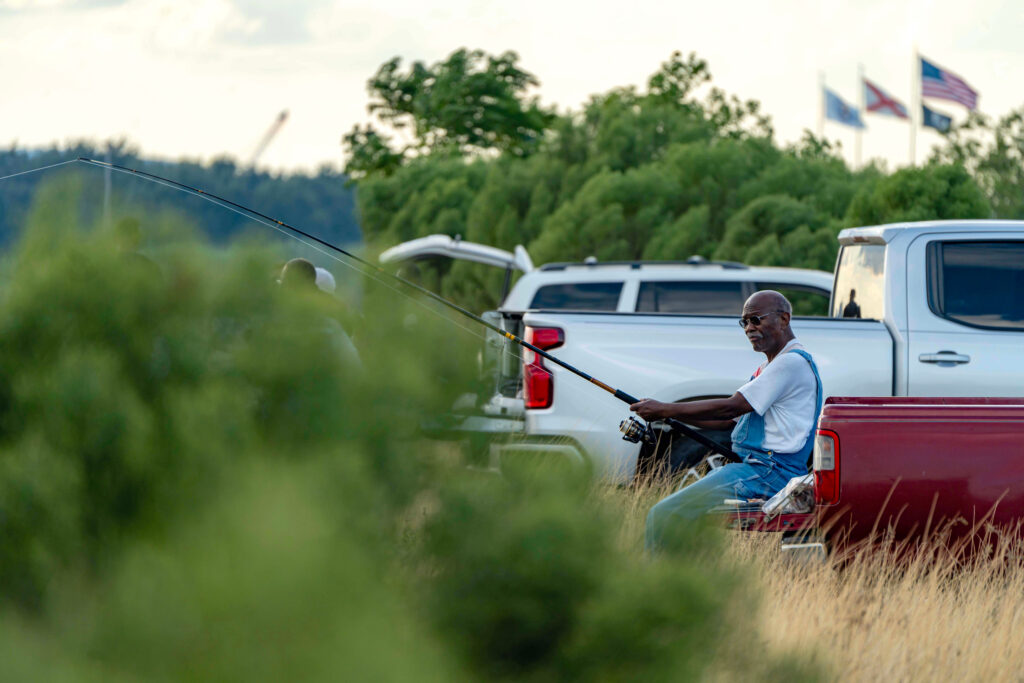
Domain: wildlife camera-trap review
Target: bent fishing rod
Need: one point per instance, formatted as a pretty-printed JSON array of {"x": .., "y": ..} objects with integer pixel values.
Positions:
[{"x": 633, "y": 430}]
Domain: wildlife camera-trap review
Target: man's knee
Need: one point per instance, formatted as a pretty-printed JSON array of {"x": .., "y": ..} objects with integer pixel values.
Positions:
[{"x": 680, "y": 505}]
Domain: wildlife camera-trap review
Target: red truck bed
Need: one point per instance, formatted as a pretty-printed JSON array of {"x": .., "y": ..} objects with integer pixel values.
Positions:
[{"x": 915, "y": 463}]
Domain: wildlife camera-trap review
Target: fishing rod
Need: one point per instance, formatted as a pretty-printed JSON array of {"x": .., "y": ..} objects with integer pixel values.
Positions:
[{"x": 633, "y": 430}]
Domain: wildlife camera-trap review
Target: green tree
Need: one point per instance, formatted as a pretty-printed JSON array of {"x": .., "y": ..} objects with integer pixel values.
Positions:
[
  {"x": 471, "y": 101},
  {"x": 994, "y": 154},
  {"x": 932, "y": 192},
  {"x": 688, "y": 235},
  {"x": 713, "y": 173},
  {"x": 369, "y": 152},
  {"x": 770, "y": 215}
]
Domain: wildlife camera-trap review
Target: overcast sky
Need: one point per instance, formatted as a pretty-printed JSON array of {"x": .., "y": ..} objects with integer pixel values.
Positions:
[{"x": 202, "y": 78}]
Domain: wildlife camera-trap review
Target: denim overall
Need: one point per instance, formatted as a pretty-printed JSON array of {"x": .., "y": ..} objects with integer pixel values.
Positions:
[{"x": 762, "y": 473}]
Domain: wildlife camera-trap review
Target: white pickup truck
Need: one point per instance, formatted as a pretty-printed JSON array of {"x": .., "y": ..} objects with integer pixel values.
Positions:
[{"x": 937, "y": 310}]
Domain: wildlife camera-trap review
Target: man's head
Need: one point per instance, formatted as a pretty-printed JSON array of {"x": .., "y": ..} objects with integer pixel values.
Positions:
[
  {"x": 299, "y": 273},
  {"x": 766, "y": 321}
]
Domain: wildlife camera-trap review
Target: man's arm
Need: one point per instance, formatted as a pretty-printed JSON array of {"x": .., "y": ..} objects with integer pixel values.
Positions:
[{"x": 699, "y": 413}]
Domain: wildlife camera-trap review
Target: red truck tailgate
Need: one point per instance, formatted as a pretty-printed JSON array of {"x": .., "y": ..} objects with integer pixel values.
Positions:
[{"x": 911, "y": 463}]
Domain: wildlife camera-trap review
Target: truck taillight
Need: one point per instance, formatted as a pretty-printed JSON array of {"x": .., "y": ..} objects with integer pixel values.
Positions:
[
  {"x": 826, "y": 467},
  {"x": 538, "y": 384}
]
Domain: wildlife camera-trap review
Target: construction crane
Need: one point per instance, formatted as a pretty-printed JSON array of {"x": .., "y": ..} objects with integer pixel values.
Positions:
[{"x": 268, "y": 136}]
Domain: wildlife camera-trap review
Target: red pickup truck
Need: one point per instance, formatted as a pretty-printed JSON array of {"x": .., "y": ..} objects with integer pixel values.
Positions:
[{"x": 907, "y": 466}]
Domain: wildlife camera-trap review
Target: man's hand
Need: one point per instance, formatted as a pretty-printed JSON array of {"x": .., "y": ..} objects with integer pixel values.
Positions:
[{"x": 649, "y": 409}]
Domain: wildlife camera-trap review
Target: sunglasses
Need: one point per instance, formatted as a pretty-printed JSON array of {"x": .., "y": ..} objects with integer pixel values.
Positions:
[{"x": 755, "y": 320}]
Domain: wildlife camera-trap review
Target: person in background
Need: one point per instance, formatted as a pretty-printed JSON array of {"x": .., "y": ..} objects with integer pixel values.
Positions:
[
  {"x": 299, "y": 274},
  {"x": 852, "y": 309}
]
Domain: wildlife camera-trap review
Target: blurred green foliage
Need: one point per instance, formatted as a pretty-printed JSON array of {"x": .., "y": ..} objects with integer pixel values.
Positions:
[
  {"x": 678, "y": 169},
  {"x": 194, "y": 484}
]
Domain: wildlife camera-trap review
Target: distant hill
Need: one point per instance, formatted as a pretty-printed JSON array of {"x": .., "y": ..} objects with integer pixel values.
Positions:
[{"x": 320, "y": 204}]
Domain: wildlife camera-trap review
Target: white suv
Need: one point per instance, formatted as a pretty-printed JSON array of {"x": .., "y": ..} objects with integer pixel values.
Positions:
[{"x": 694, "y": 286}]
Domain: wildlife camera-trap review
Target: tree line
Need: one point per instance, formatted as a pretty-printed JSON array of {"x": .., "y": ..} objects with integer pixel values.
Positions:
[
  {"x": 665, "y": 172},
  {"x": 321, "y": 204}
]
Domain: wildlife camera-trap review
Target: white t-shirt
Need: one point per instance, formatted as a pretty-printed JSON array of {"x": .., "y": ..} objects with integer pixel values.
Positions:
[{"x": 785, "y": 394}]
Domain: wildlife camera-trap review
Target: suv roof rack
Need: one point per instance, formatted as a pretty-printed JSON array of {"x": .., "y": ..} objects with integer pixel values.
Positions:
[{"x": 591, "y": 262}]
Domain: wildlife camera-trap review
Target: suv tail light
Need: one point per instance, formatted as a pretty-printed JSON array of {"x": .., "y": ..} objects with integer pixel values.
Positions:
[
  {"x": 826, "y": 467},
  {"x": 538, "y": 384}
]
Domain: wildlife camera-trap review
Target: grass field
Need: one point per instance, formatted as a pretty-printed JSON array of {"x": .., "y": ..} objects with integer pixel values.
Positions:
[{"x": 875, "y": 618}]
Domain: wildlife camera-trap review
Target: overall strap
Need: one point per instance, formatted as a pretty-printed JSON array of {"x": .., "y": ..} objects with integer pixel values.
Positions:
[
  {"x": 809, "y": 444},
  {"x": 748, "y": 434}
]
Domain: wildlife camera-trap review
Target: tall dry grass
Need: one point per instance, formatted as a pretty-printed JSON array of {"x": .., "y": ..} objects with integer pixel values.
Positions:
[{"x": 877, "y": 614}]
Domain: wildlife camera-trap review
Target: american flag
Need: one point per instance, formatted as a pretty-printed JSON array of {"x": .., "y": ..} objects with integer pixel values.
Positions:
[{"x": 946, "y": 85}]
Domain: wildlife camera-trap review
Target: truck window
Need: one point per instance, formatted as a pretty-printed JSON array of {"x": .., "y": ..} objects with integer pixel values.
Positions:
[
  {"x": 580, "y": 296},
  {"x": 696, "y": 298},
  {"x": 977, "y": 283},
  {"x": 860, "y": 282},
  {"x": 806, "y": 300}
]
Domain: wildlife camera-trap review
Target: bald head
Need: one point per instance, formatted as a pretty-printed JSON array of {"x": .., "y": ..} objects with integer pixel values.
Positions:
[
  {"x": 769, "y": 299},
  {"x": 299, "y": 274},
  {"x": 771, "y": 332}
]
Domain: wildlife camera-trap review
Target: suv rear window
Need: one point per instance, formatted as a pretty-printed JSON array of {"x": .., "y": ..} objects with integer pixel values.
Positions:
[
  {"x": 977, "y": 283},
  {"x": 697, "y": 298},
  {"x": 582, "y": 296}
]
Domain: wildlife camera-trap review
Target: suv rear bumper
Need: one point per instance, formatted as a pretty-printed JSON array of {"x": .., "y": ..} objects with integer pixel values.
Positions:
[
  {"x": 562, "y": 447},
  {"x": 456, "y": 426}
]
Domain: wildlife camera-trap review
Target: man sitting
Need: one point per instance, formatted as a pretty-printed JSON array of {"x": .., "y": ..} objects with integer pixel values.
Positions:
[{"x": 777, "y": 413}]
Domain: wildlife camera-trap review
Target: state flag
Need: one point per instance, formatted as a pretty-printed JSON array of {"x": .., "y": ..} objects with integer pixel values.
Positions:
[
  {"x": 877, "y": 101},
  {"x": 839, "y": 111},
  {"x": 933, "y": 119},
  {"x": 945, "y": 85}
]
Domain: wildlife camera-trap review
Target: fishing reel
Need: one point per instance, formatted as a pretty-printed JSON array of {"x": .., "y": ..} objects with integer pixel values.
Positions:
[{"x": 635, "y": 431}]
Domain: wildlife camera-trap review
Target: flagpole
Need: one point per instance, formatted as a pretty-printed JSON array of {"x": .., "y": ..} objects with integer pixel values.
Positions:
[
  {"x": 821, "y": 106},
  {"x": 915, "y": 108},
  {"x": 860, "y": 131}
]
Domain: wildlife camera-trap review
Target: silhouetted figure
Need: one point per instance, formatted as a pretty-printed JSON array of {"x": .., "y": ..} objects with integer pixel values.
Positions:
[
  {"x": 852, "y": 309},
  {"x": 300, "y": 274}
]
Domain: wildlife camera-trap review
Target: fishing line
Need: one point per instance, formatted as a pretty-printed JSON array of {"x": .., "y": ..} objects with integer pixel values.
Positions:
[{"x": 36, "y": 170}]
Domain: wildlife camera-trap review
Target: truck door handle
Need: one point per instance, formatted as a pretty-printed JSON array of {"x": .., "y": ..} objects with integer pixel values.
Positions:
[{"x": 944, "y": 358}]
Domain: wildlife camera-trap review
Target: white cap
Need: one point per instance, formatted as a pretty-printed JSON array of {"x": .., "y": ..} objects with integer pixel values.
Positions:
[{"x": 324, "y": 280}]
